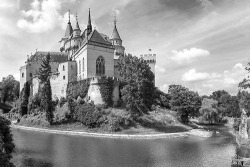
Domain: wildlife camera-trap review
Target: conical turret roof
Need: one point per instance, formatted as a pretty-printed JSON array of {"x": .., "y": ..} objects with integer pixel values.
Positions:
[
  {"x": 69, "y": 30},
  {"x": 115, "y": 34}
]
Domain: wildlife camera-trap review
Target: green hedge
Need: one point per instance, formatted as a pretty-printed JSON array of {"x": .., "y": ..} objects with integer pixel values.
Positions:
[{"x": 78, "y": 88}]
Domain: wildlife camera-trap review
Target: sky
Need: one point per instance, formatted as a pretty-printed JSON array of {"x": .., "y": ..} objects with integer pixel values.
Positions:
[{"x": 203, "y": 45}]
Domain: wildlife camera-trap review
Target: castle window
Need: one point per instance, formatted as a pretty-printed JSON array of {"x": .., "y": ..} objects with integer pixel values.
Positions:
[
  {"x": 100, "y": 66},
  {"x": 64, "y": 77},
  {"x": 30, "y": 74},
  {"x": 79, "y": 66},
  {"x": 63, "y": 68},
  {"x": 22, "y": 75}
]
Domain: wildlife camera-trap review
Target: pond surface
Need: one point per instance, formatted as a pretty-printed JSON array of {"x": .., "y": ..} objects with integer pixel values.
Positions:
[{"x": 36, "y": 149}]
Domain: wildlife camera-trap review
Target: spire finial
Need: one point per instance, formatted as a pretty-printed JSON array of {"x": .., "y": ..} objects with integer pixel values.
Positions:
[
  {"x": 115, "y": 18},
  {"x": 69, "y": 15},
  {"x": 76, "y": 16},
  {"x": 89, "y": 27}
]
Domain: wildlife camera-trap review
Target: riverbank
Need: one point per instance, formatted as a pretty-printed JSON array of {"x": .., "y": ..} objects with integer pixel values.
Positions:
[{"x": 195, "y": 132}]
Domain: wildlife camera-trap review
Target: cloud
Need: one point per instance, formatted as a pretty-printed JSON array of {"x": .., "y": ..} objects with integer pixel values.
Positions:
[
  {"x": 194, "y": 76},
  {"x": 209, "y": 82},
  {"x": 164, "y": 88},
  {"x": 160, "y": 69},
  {"x": 43, "y": 16},
  {"x": 187, "y": 56},
  {"x": 206, "y": 5}
]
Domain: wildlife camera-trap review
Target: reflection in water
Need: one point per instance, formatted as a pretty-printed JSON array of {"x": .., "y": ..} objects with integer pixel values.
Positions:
[{"x": 41, "y": 149}]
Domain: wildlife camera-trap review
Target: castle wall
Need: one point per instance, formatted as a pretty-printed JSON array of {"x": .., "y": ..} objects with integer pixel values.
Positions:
[
  {"x": 94, "y": 93},
  {"x": 81, "y": 71}
]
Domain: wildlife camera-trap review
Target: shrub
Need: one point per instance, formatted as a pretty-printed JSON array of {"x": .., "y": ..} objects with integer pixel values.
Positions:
[
  {"x": 62, "y": 101},
  {"x": 62, "y": 114},
  {"x": 86, "y": 114},
  {"x": 24, "y": 99},
  {"x": 236, "y": 124}
]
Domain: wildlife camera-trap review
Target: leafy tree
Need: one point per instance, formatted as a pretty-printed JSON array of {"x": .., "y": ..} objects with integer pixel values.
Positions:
[
  {"x": 209, "y": 111},
  {"x": 9, "y": 89},
  {"x": 138, "y": 89},
  {"x": 244, "y": 101},
  {"x": 217, "y": 94},
  {"x": 25, "y": 93},
  {"x": 6, "y": 143},
  {"x": 230, "y": 105},
  {"x": 185, "y": 102},
  {"x": 45, "y": 88}
]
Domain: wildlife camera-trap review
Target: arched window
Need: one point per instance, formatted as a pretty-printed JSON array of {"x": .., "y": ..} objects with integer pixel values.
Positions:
[
  {"x": 63, "y": 68},
  {"x": 100, "y": 66},
  {"x": 82, "y": 64}
]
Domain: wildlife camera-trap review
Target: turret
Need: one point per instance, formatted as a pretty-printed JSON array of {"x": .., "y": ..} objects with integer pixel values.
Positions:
[
  {"x": 117, "y": 41},
  {"x": 68, "y": 32},
  {"x": 150, "y": 60},
  {"x": 77, "y": 30}
]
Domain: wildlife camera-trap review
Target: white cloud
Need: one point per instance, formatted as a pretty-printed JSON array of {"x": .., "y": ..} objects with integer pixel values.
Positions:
[
  {"x": 187, "y": 56},
  {"x": 116, "y": 12},
  {"x": 227, "y": 80},
  {"x": 164, "y": 88},
  {"x": 193, "y": 76},
  {"x": 43, "y": 16},
  {"x": 160, "y": 69}
]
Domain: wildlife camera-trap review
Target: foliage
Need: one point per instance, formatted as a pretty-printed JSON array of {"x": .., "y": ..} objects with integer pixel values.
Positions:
[
  {"x": 24, "y": 99},
  {"x": 209, "y": 111},
  {"x": 186, "y": 103},
  {"x": 9, "y": 89},
  {"x": 244, "y": 101},
  {"x": 78, "y": 88},
  {"x": 236, "y": 124},
  {"x": 37, "y": 119},
  {"x": 6, "y": 143},
  {"x": 62, "y": 101},
  {"x": 230, "y": 105},
  {"x": 62, "y": 114},
  {"x": 106, "y": 89},
  {"x": 137, "y": 93},
  {"x": 45, "y": 88},
  {"x": 162, "y": 99},
  {"x": 218, "y": 94},
  {"x": 86, "y": 114},
  {"x": 71, "y": 105}
]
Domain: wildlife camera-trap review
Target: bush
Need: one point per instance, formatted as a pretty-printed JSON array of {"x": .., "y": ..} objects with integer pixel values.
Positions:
[
  {"x": 62, "y": 114},
  {"x": 236, "y": 124},
  {"x": 62, "y": 101},
  {"x": 86, "y": 114}
]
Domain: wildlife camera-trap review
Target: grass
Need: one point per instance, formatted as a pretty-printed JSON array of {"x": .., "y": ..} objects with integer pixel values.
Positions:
[{"x": 157, "y": 121}]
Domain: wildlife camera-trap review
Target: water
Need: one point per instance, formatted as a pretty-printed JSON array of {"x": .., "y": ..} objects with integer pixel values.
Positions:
[{"x": 35, "y": 149}]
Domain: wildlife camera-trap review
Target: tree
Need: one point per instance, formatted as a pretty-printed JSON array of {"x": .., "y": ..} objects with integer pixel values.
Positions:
[
  {"x": 45, "y": 88},
  {"x": 244, "y": 101},
  {"x": 25, "y": 93},
  {"x": 185, "y": 102},
  {"x": 9, "y": 89},
  {"x": 217, "y": 94},
  {"x": 138, "y": 89},
  {"x": 209, "y": 111},
  {"x": 6, "y": 143}
]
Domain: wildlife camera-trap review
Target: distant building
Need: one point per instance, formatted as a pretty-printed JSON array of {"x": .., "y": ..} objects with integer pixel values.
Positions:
[{"x": 84, "y": 54}]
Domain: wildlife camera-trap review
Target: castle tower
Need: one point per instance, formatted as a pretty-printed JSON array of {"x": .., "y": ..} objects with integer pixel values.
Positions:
[
  {"x": 117, "y": 41},
  {"x": 69, "y": 30},
  {"x": 89, "y": 26},
  {"x": 77, "y": 30},
  {"x": 150, "y": 59},
  {"x": 76, "y": 37}
]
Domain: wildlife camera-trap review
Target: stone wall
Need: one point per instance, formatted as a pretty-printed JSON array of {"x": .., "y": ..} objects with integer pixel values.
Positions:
[{"x": 243, "y": 128}]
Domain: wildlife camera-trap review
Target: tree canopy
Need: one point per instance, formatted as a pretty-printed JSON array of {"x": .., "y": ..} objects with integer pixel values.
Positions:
[
  {"x": 186, "y": 103},
  {"x": 9, "y": 89},
  {"x": 138, "y": 84}
]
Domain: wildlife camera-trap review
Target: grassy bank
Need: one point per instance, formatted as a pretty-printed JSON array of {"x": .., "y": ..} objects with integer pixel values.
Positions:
[{"x": 155, "y": 122}]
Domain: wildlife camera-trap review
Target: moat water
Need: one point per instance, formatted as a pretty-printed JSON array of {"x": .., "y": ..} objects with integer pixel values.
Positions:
[{"x": 36, "y": 149}]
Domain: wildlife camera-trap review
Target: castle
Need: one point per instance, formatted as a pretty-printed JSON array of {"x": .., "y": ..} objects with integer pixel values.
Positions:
[{"x": 83, "y": 54}]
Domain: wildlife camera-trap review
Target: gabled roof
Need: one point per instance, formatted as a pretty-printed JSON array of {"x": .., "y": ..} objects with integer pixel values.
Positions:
[
  {"x": 55, "y": 56},
  {"x": 115, "y": 34},
  {"x": 95, "y": 36}
]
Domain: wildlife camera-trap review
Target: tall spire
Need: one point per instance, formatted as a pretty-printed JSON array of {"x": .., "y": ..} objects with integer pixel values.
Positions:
[
  {"x": 77, "y": 25},
  {"x": 115, "y": 34},
  {"x": 89, "y": 27},
  {"x": 69, "y": 28}
]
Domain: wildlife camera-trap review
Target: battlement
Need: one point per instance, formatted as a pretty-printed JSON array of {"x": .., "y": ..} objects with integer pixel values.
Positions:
[{"x": 150, "y": 58}]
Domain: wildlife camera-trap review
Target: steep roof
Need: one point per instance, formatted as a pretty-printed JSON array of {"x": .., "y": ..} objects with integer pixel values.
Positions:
[
  {"x": 115, "y": 34},
  {"x": 95, "y": 36},
  {"x": 69, "y": 30},
  {"x": 55, "y": 56}
]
